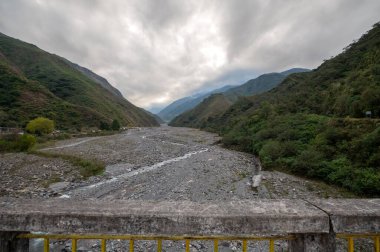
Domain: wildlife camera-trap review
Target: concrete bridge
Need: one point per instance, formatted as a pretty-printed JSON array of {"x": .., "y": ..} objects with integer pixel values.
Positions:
[{"x": 308, "y": 225}]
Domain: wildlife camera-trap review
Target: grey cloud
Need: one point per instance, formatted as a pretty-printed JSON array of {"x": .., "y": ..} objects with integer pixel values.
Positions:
[{"x": 155, "y": 51}]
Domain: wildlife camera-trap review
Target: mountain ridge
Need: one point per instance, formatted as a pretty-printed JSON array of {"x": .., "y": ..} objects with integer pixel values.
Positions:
[
  {"x": 197, "y": 117},
  {"x": 232, "y": 92},
  {"x": 186, "y": 103},
  {"x": 37, "y": 83}
]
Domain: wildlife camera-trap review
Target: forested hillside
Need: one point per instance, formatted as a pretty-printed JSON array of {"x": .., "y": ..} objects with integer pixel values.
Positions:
[
  {"x": 206, "y": 111},
  {"x": 187, "y": 103},
  {"x": 314, "y": 124},
  {"x": 35, "y": 83}
]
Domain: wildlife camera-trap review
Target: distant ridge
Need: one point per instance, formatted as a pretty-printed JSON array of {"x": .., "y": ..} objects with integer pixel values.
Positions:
[
  {"x": 208, "y": 109},
  {"x": 181, "y": 105}
]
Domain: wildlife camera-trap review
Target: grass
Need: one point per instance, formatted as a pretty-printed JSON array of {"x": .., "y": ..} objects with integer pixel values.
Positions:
[
  {"x": 243, "y": 174},
  {"x": 87, "y": 168}
]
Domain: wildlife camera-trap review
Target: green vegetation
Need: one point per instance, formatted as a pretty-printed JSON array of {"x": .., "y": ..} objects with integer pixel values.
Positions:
[
  {"x": 34, "y": 83},
  {"x": 104, "y": 126},
  {"x": 343, "y": 152},
  {"x": 313, "y": 124},
  {"x": 260, "y": 84},
  {"x": 115, "y": 125},
  {"x": 87, "y": 168},
  {"x": 198, "y": 117},
  {"x": 16, "y": 142},
  {"x": 265, "y": 82},
  {"x": 40, "y": 126}
]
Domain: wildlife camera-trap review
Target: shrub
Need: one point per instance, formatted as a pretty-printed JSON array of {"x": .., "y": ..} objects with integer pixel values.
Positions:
[
  {"x": 271, "y": 151},
  {"x": 115, "y": 125},
  {"x": 366, "y": 182},
  {"x": 104, "y": 126},
  {"x": 40, "y": 126},
  {"x": 25, "y": 142},
  {"x": 16, "y": 142},
  {"x": 308, "y": 162}
]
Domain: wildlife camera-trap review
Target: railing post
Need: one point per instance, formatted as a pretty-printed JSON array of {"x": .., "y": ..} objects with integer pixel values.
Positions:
[
  {"x": 313, "y": 242},
  {"x": 10, "y": 243}
]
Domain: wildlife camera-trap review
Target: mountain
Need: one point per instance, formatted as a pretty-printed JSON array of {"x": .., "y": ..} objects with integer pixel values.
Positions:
[
  {"x": 179, "y": 106},
  {"x": 36, "y": 83},
  {"x": 323, "y": 124},
  {"x": 98, "y": 79},
  {"x": 210, "y": 107},
  {"x": 261, "y": 84},
  {"x": 295, "y": 70},
  {"x": 158, "y": 119},
  {"x": 265, "y": 82},
  {"x": 255, "y": 86}
]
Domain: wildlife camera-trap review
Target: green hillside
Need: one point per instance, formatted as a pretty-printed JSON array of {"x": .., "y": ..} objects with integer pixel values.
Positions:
[
  {"x": 313, "y": 124},
  {"x": 187, "y": 103},
  {"x": 198, "y": 116},
  {"x": 36, "y": 83},
  {"x": 260, "y": 84},
  {"x": 206, "y": 111}
]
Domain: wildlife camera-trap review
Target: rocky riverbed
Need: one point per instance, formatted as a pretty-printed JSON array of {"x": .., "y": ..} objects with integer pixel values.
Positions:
[{"x": 161, "y": 163}]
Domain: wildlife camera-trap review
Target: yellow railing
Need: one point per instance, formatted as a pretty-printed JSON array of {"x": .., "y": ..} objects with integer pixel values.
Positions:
[
  {"x": 132, "y": 238},
  {"x": 351, "y": 237}
]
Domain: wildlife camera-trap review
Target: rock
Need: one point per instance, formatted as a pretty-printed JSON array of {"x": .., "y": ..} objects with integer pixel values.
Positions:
[
  {"x": 59, "y": 186},
  {"x": 256, "y": 180}
]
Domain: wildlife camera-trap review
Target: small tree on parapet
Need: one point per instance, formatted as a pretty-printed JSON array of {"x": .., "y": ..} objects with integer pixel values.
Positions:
[
  {"x": 40, "y": 126},
  {"x": 115, "y": 125}
]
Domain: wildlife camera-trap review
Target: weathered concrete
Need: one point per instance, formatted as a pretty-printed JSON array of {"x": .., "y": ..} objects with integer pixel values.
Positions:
[
  {"x": 352, "y": 215},
  {"x": 313, "y": 243},
  {"x": 9, "y": 243},
  {"x": 239, "y": 218},
  {"x": 313, "y": 224}
]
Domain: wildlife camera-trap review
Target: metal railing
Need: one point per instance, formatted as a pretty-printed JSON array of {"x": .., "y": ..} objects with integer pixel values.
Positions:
[
  {"x": 351, "y": 239},
  {"x": 132, "y": 238},
  {"x": 216, "y": 239}
]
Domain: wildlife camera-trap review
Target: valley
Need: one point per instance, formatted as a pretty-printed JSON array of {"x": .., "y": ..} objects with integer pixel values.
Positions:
[
  {"x": 162, "y": 163},
  {"x": 189, "y": 126}
]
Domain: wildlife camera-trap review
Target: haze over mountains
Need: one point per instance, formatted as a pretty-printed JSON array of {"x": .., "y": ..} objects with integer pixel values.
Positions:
[
  {"x": 36, "y": 83},
  {"x": 258, "y": 85},
  {"x": 181, "y": 105}
]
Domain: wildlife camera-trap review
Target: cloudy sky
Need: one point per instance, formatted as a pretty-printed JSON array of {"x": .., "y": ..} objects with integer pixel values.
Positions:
[{"x": 156, "y": 51}]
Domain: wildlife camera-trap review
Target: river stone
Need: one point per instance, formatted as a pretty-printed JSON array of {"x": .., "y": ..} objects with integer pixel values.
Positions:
[{"x": 59, "y": 186}]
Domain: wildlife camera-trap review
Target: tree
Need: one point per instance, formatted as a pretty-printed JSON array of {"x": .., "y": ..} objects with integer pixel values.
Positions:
[
  {"x": 115, "y": 125},
  {"x": 104, "y": 126},
  {"x": 40, "y": 126}
]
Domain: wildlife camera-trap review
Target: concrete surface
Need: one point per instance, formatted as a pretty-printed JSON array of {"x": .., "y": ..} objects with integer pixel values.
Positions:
[
  {"x": 352, "y": 215},
  {"x": 236, "y": 218},
  {"x": 314, "y": 224}
]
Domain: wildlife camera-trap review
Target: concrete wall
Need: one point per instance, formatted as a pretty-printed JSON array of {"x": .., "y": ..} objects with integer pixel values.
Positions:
[{"x": 314, "y": 223}]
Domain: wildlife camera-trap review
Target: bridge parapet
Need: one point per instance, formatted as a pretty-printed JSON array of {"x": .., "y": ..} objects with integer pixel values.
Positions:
[{"x": 312, "y": 225}]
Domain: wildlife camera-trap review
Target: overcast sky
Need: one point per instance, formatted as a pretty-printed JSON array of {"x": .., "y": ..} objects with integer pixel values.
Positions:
[{"x": 157, "y": 51}]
